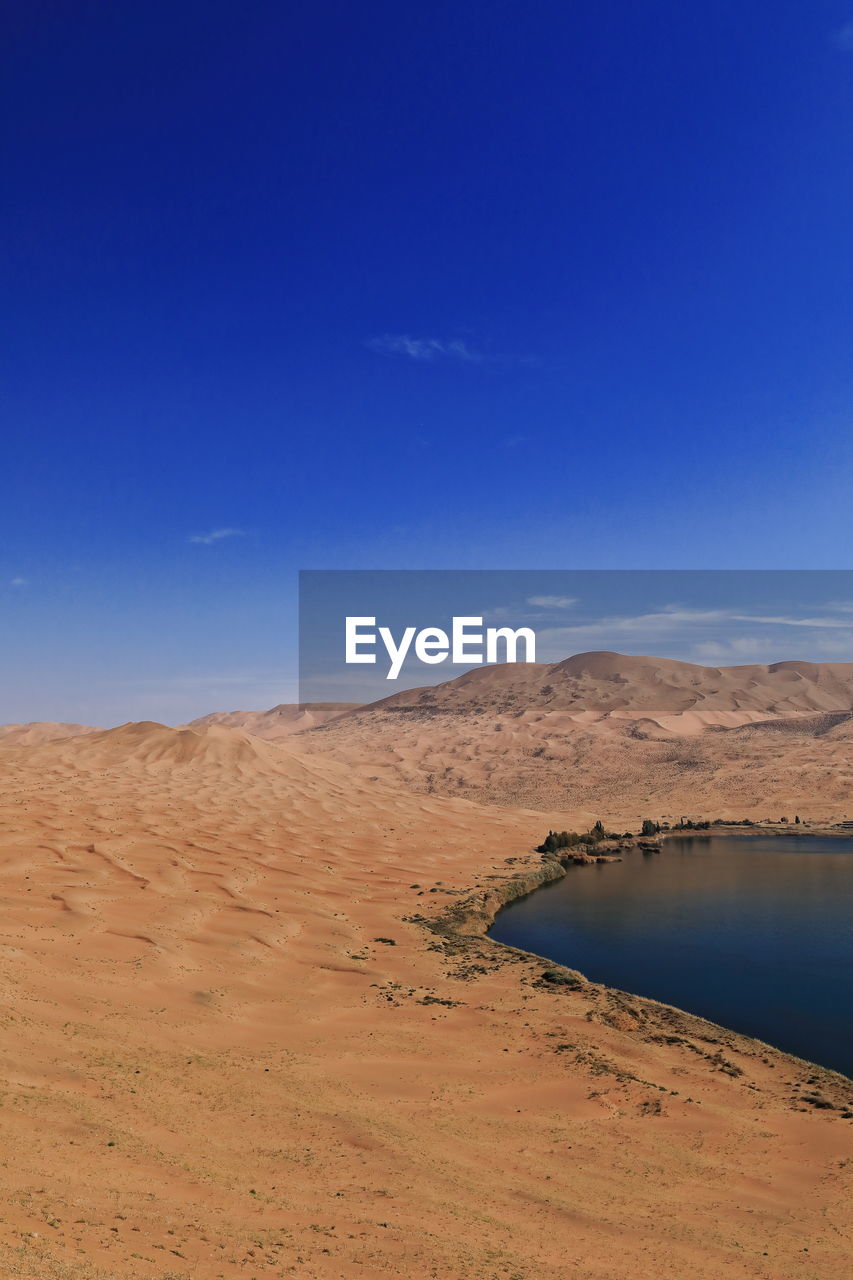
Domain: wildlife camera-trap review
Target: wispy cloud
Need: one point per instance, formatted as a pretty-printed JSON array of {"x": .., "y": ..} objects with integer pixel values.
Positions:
[
  {"x": 709, "y": 635},
  {"x": 424, "y": 349},
  {"x": 216, "y": 535},
  {"x": 20, "y": 582},
  {"x": 817, "y": 646},
  {"x": 552, "y": 602},
  {"x": 844, "y": 37}
]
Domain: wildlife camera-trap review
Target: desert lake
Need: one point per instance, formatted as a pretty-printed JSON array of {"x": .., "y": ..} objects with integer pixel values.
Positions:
[{"x": 752, "y": 932}]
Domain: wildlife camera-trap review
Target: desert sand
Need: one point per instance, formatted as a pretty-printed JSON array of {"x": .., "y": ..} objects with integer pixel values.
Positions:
[
  {"x": 614, "y": 736},
  {"x": 244, "y": 1036},
  {"x": 38, "y": 732},
  {"x": 279, "y": 722}
]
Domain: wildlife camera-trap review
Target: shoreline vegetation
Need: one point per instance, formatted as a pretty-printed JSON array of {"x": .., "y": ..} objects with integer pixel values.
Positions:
[
  {"x": 466, "y": 924},
  {"x": 600, "y": 845}
]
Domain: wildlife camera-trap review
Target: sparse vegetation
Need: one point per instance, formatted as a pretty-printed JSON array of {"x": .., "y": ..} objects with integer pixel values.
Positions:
[
  {"x": 574, "y": 839},
  {"x": 650, "y": 828}
]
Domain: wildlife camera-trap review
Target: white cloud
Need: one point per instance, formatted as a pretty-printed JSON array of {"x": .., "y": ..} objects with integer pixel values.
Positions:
[
  {"x": 707, "y": 634},
  {"x": 737, "y": 650},
  {"x": 216, "y": 535},
  {"x": 401, "y": 344},
  {"x": 667, "y": 622},
  {"x": 792, "y": 622},
  {"x": 20, "y": 582},
  {"x": 552, "y": 602},
  {"x": 814, "y": 647}
]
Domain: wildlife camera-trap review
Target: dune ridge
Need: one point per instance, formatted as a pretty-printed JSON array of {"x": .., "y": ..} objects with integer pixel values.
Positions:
[
  {"x": 613, "y": 734},
  {"x": 606, "y": 684},
  {"x": 151, "y": 743},
  {"x": 37, "y": 732},
  {"x": 279, "y": 722}
]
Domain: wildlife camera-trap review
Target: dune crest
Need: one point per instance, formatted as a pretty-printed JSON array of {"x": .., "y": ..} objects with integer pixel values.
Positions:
[
  {"x": 150, "y": 743},
  {"x": 38, "y": 732},
  {"x": 610, "y": 733},
  {"x": 282, "y": 721},
  {"x": 605, "y": 684}
]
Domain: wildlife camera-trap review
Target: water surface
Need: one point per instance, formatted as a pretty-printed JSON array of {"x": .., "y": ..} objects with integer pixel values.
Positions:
[{"x": 753, "y": 932}]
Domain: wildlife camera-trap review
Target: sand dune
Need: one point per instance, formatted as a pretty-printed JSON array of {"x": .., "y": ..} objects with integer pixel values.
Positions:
[
  {"x": 616, "y": 734},
  {"x": 237, "y": 1048},
  {"x": 147, "y": 742},
  {"x": 601, "y": 685},
  {"x": 39, "y": 731},
  {"x": 279, "y": 722}
]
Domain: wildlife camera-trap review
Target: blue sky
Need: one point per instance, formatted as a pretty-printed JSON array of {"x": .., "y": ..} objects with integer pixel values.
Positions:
[{"x": 462, "y": 285}]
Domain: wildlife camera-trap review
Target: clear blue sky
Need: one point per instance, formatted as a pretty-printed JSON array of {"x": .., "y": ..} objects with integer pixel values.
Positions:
[{"x": 377, "y": 285}]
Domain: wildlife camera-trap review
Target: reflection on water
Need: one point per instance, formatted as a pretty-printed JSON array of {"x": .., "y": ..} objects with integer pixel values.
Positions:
[{"x": 753, "y": 932}]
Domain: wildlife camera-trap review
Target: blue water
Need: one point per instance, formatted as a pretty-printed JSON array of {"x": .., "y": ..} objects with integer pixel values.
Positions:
[{"x": 753, "y": 932}]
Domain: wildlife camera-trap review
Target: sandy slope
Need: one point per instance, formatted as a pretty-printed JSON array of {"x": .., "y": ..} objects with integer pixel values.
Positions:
[
  {"x": 618, "y": 735},
  {"x": 599, "y": 685},
  {"x": 217, "y": 1065},
  {"x": 279, "y": 722},
  {"x": 39, "y": 731}
]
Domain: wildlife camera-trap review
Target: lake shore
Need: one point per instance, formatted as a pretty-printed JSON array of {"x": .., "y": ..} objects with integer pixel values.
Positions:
[
  {"x": 474, "y": 916},
  {"x": 749, "y": 933}
]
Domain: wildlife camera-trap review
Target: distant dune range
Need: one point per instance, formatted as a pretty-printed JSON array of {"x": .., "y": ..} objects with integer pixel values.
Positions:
[
  {"x": 235, "y": 1048},
  {"x": 279, "y": 722},
  {"x": 38, "y": 732},
  {"x": 612, "y": 735}
]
